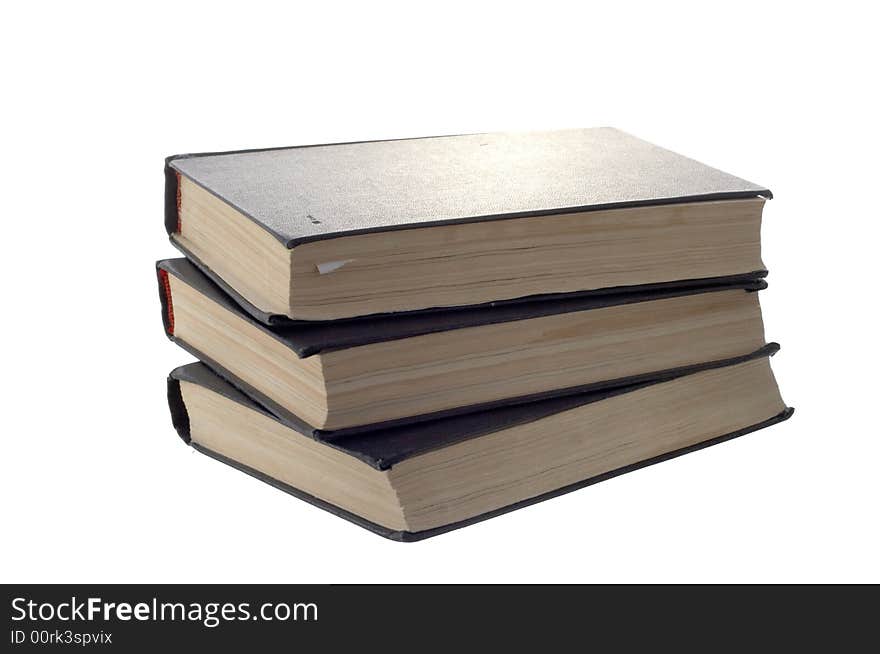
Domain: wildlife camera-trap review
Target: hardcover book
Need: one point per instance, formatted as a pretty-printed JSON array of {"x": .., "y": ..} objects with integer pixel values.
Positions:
[
  {"x": 415, "y": 481},
  {"x": 351, "y": 375},
  {"x": 344, "y": 230}
]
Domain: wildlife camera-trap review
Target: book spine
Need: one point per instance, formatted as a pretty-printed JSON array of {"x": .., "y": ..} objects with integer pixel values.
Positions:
[
  {"x": 166, "y": 301},
  {"x": 172, "y": 199},
  {"x": 179, "y": 416}
]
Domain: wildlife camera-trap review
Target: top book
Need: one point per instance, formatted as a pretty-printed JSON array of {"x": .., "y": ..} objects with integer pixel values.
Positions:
[{"x": 325, "y": 232}]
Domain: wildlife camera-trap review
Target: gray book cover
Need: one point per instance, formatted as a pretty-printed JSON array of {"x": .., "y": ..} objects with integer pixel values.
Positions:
[{"x": 309, "y": 193}]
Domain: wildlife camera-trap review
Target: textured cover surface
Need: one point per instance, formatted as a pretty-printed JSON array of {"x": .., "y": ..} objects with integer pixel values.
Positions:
[
  {"x": 383, "y": 446},
  {"x": 308, "y": 193},
  {"x": 308, "y": 338},
  {"x": 197, "y": 373}
]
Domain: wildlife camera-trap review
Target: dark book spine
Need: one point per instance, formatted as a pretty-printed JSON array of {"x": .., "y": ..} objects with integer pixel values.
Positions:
[
  {"x": 179, "y": 416},
  {"x": 172, "y": 199}
]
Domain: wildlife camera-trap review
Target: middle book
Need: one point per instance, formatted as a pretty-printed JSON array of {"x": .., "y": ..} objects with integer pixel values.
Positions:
[{"x": 345, "y": 376}]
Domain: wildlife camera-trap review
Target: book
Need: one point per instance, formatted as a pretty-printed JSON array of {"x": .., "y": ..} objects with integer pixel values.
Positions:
[
  {"x": 344, "y": 230},
  {"x": 348, "y": 375},
  {"x": 412, "y": 482}
]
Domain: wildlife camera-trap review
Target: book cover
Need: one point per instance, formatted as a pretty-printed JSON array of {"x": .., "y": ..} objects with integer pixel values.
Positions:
[
  {"x": 384, "y": 449},
  {"x": 308, "y": 193},
  {"x": 319, "y": 340}
]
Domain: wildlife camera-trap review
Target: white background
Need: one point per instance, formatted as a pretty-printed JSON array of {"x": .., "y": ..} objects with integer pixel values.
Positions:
[{"x": 97, "y": 487}]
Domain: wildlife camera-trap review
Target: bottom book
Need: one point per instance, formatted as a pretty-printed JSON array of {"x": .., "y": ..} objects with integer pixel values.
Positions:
[{"x": 412, "y": 482}]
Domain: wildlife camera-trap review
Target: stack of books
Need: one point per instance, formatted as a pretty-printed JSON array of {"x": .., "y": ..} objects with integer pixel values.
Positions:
[{"x": 420, "y": 334}]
